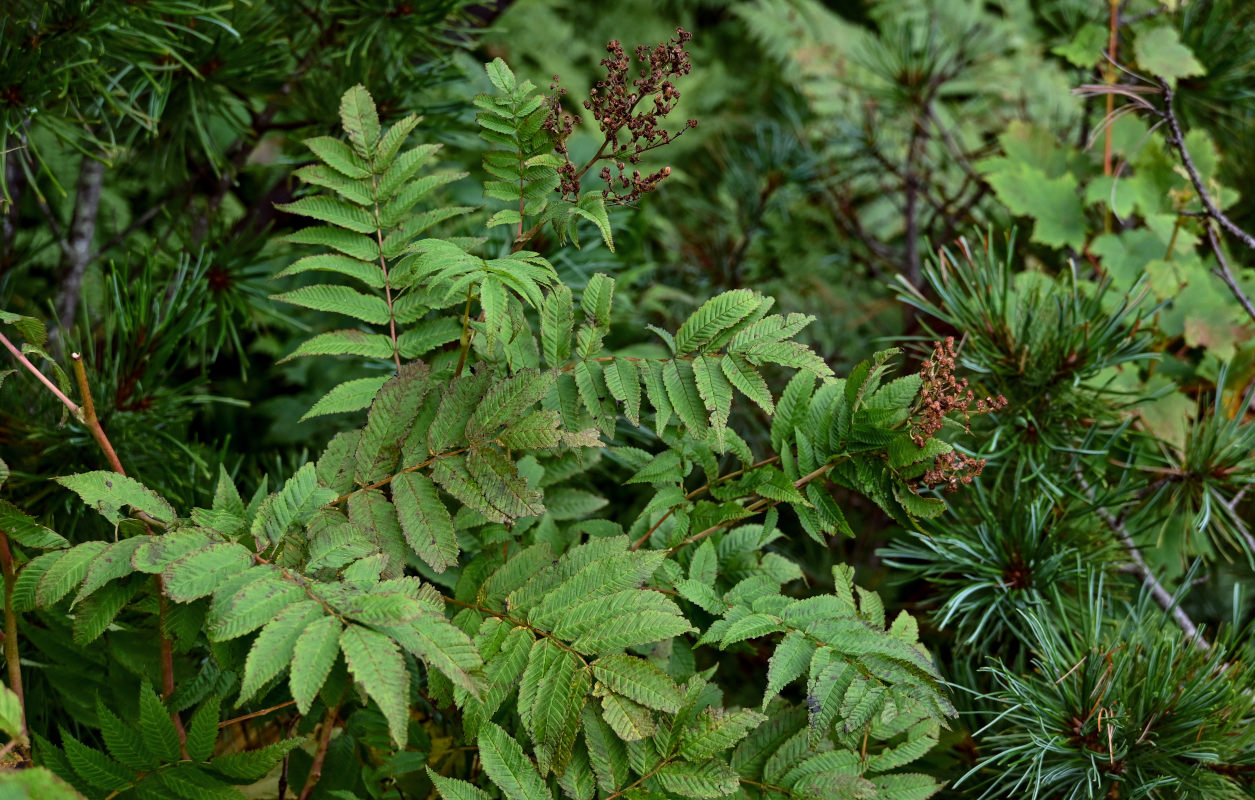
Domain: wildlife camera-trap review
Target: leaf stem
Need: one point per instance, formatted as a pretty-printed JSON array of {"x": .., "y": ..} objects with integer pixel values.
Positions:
[
  {"x": 464, "y": 345},
  {"x": 52, "y": 387}
]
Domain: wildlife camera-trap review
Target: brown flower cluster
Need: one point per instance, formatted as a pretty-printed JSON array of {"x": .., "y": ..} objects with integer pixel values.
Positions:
[
  {"x": 941, "y": 395},
  {"x": 630, "y": 113}
]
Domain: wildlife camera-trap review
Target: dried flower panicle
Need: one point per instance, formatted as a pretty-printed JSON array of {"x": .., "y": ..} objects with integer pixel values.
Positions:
[
  {"x": 628, "y": 132},
  {"x": 941, "y": 395}
]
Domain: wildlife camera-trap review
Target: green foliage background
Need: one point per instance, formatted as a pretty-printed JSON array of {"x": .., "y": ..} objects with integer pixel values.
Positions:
[{"x": 443, "y": 477}]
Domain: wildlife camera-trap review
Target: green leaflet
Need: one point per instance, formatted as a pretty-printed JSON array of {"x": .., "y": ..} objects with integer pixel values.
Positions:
[
  {"x": 339, "y": 299},
  {"x": 342, "y": 343},
  {"x": 715, "y": 316},
  {"x": 297, "y": 502},
  {"x": 26, "y": 531},
  {"x": 375, "y": 662},
  {"x": 391, "y": 415},
  {"x": 273, "y": 649},
  {"x": 351, "y": 395},
  {"x": 686, "y": 399},
  {"x": 556, "y": 320},
  {"x": 716, "y": 730},
  {"x": 703, "y": 780},
  {"x": 107, "y": 492},
  {"x": 552, "y": 692},
  {"x": 638, "y": 680},
  {"x": 425, "y": 520},
  {"x": 199, "y": 573},
  {"x": 360, "y": 120},
  {"x": 312, "y": 657},
  {"x": 508, "y": 768},
  {"x": 453, "y": 789},
  {"x": 630, "y": 721}
]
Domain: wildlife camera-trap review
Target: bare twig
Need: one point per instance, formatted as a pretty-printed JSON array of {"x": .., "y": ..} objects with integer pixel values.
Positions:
[
  {"x": 1176, "y": 138},
  {"x": 1141, "y": 569},
  {"x": 324, "y": 740},
  {"x": 236, "y": 720},
  {"x": 89, "y": 415},
  {"x": 52, "y": 387}
]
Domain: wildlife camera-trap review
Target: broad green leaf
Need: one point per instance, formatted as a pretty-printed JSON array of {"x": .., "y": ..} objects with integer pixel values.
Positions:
[
  {"x": 332, "y": 210},
  {"x": 790, "y": 661},
  {"x": 1160, "y": 52},
  {"x": 716, "y": 730},
  {"x": 339, "y": 156},
  {"x": 551, "y": 694},
  {"x": 390, "y": 417},
  {"x": 66, "y": 572},
  {"x": 454, "y": 789}
]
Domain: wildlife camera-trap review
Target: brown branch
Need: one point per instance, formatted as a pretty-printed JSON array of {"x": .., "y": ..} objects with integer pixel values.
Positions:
[
  {"x": 89, "y": 416},
  {"x": 639, "y": 543},
  {"x": 320, "y": 755},
  {"x": 52, "y": 387},
  {"x": 236, "y": 720},
  {"x": 11, "y": 655}
]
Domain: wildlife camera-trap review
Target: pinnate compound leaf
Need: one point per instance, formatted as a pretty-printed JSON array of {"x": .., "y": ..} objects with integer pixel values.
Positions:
[
  {"x": 376, "y": 663},
  {"x": 312, "y": 658},
  {"x": 108, "y": 491},
  {"x": 507, "y": 767},
  {"x": 351, "y": 395}
]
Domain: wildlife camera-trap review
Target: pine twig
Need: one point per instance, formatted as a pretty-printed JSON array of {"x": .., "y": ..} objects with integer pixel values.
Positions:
[{"x": 1141, "y": 569}]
